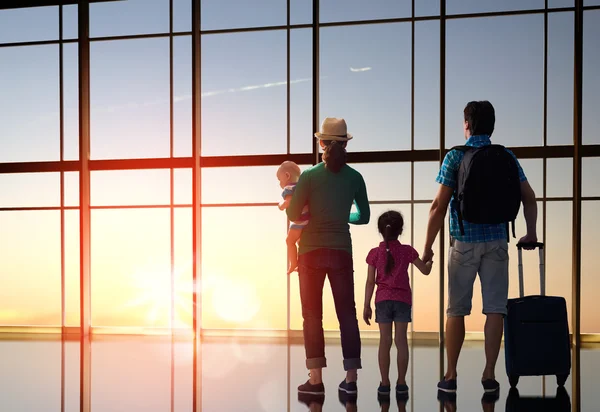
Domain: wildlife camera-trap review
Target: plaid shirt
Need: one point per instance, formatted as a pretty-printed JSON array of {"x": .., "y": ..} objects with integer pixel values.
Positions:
[{"x": 448, "y": 176}]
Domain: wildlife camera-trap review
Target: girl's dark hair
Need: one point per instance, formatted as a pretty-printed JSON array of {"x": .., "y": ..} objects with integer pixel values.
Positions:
[
  {"x": 334, "y": 155},
  {"x": 390, "y": 225}
]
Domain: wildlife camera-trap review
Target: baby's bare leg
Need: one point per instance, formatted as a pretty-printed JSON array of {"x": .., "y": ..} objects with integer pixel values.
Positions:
[{"x": 292, "y": 251}]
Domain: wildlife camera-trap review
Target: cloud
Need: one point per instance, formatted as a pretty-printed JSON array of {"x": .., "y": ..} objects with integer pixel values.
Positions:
[{"x": 362, "y": 69}]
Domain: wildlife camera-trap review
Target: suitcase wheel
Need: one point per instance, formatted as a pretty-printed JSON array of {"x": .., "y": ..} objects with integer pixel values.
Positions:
[
  {"x": 514, "y": 380},
  {"x": 562, "y": 379}
]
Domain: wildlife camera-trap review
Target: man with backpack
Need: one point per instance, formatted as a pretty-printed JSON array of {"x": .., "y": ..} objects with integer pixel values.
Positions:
[{"x": 484, "y": 185}]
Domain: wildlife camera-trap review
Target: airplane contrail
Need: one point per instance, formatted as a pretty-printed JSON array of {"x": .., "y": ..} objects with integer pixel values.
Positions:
[{"x": 362, "y": 69}]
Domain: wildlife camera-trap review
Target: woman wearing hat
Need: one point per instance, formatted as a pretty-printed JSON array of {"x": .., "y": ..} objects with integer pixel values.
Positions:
[{"x": 329, "y": 189}]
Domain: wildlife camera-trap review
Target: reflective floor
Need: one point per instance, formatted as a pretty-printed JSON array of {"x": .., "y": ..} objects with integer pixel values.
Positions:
[{"x": 153, "y": 374}]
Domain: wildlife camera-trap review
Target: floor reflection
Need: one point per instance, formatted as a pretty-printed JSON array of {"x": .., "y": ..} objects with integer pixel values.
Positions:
[{"x": 155, "y": 374}]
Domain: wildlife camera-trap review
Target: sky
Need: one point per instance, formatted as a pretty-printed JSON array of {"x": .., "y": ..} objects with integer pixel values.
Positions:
[{"x": 244, "y": 112}]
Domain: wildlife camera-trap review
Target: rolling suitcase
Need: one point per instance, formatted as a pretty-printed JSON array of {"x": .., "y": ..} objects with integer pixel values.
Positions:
[{"x": 536, "y": 331}]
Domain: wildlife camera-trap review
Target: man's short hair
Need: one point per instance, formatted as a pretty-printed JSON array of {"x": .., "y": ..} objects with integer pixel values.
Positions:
[{"x": 481, "y": 117}]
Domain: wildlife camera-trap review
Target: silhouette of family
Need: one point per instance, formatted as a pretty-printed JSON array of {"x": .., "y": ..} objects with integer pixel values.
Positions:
[{"x": 483, "y": 186}]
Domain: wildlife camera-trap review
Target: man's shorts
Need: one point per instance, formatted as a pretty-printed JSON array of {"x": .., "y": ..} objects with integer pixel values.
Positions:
[
  {"x": 490, "y": 261},
  {"x": 388, "y": 311}
]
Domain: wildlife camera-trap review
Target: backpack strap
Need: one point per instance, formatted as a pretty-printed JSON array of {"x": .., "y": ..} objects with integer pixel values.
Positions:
[{"x": 463, "y": 148}]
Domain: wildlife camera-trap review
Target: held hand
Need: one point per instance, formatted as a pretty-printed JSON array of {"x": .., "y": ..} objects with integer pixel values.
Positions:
[
  {"x": 529, "y": 239},
  {"x": 428, "y": 265},
  {"x": 281, "y": 205},
  {"x": 367, "y": 315},
  {"x": 427, "y": 255}
]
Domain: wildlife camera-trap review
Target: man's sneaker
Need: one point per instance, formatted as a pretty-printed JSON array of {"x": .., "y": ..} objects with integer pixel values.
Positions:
[
  {"x": 310, "y": 389},
  {"x": 348, "y": 387},
  {"x": 447, "y": 385},
  {"x": 490, "y": 385},
  {"x": 384, "y": 389},
  {"x": 401, "y": 389}
]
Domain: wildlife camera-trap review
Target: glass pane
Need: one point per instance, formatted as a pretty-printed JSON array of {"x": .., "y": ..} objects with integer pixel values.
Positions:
[
  {"x": 28, "y": 24},
  {"x": 120, "y": 18},
  {"x": 129, "y": 98},
  {"x": 230, "y": 14},
  {"x": 427, "y": 8},
  {"x": 427, "y": 85},
  {"x": 30, "y": 189},
  {"x": 509, "y": 51},
  {"x": 131, "y": 274},
  {"x": 534, "y": 171},
  {"x": 182, "y": 96},
  {"x": 368, "y": 86},
  {"x": 590, "y": 267},
  {"x": 239, "y": 288},
  {"x": 591, "y": 77},
  {"x": 70, "y": 21},
  {"x": 116, "y": 364},
  {"x": 130, "y": 187},
  {"x": 301, "y": 12},
  {"x": 560, "y": 78},
  {"x": 426, "y": 289},
  {"x": 30, "y": 288},
  {"x": 244, "y": 99},
  {"x": 183, "y": 194},
  {"x": 364, "y": 238},
  {"x": 182, "y": 15},
  {"x": 72, "y": 307},
  {"x": 36, "y": 368},
  {"x": 71, "y": 101},
  {"x": 590, "y": 172},
  {"x": 591, "y": 2},
  {"x": 426, "y": 187},
  {"x": 29, "y": 105},
  {"x": 301, "y": 130},
  {"x": 350, "y": 10},
  {"x": 559, "y": 251},
  {"x": 386, "y": 181},
  {"x": 259, "y": 367},
  {"x": 184, "y": 285},
  {"x": 241, "y": 185},
  {"x": 71, "y": 188},
  {"x": 483, "y": 6},
  {"x": 559, "y": 178},
  {"x": 560, "y": 3}
]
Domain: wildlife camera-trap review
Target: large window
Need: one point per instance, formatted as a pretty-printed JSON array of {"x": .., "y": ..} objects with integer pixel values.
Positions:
[{"x": 262, "y": 88}]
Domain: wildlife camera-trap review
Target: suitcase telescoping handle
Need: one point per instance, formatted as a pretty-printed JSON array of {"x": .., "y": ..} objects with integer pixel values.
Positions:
[{"x": 533, "y": 245}]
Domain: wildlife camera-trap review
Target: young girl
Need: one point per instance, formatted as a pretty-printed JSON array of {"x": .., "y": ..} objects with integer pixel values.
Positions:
[{"x": 388, "y": 268}]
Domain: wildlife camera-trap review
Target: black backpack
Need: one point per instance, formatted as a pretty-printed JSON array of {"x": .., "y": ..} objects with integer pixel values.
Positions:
[{"x": 488, "y": 186}]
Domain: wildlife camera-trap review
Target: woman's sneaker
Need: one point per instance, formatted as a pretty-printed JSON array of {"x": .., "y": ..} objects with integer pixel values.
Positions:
[
  {"x": 447, "y": 385},
  {"x": 348, "y": 387},
  {"x": 310, "y": 389}
]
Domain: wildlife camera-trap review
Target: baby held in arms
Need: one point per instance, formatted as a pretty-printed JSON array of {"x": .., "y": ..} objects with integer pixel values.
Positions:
[{"x": 288, "y": 175}]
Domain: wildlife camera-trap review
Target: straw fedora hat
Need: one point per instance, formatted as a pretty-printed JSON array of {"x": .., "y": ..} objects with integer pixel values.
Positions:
[{"x": 333, "y": 129}]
